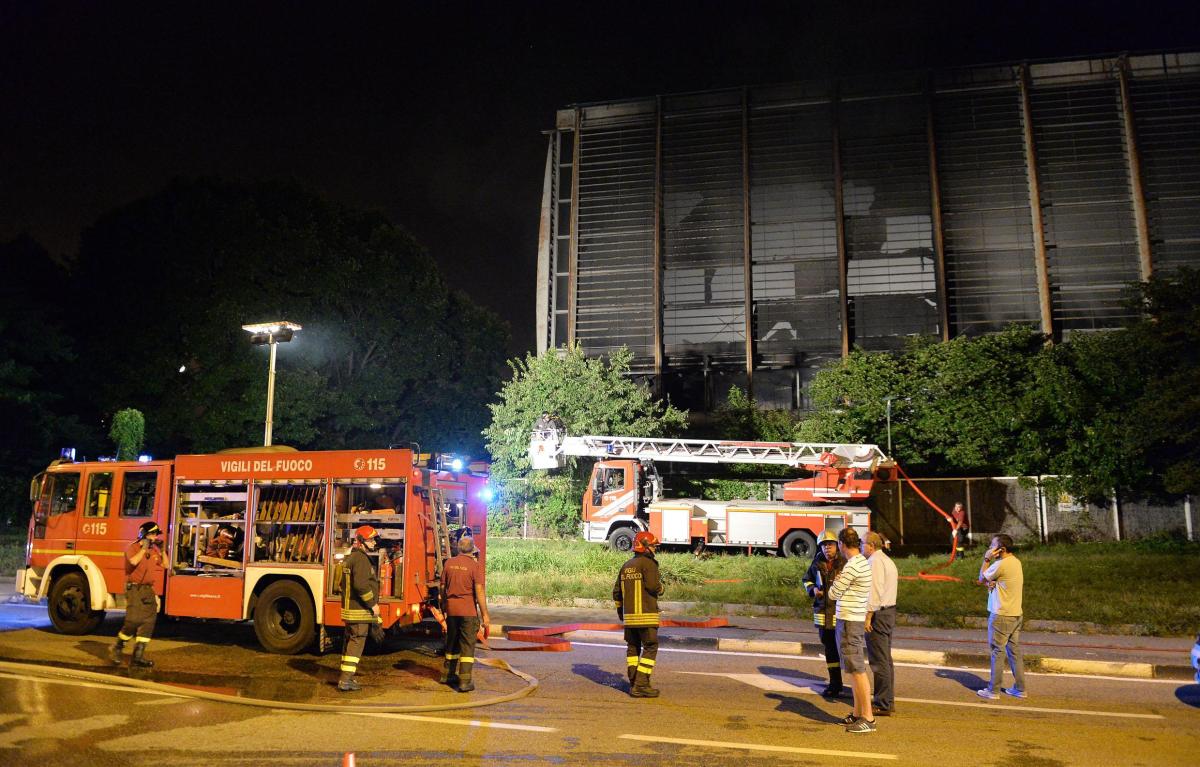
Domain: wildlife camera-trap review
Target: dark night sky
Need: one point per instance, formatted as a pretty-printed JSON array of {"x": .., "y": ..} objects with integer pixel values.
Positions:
[{"x": 433, "y": 112}]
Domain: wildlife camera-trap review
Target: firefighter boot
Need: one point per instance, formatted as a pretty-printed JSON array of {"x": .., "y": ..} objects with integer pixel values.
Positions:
[
  {"x": 641, "y": 687},
  {"x": 116, "y": 652},
  {"x": 139, "y": 656},
  {"x": 449, "y": 667},
  {"x": 631, "y": 669},
  {"x": 348, "y": 684},
  {"x": 464, "y": 679}
]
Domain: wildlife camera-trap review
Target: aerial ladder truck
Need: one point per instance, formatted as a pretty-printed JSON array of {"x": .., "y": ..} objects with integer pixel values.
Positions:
[{"x": 624, "y": 494}]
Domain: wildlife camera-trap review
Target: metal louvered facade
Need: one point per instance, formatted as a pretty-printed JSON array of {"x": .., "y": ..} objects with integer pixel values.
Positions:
[{"x": 745, "y": 236}]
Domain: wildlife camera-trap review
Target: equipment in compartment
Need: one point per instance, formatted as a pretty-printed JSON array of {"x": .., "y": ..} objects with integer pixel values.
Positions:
[
  {"x": 380, "y": 505},
  {"x": 204, "y": 512},
  {"x": 289, "y": 524}
]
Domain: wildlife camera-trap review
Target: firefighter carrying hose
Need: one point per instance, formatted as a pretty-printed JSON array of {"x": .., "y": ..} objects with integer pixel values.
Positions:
[
  {"x": 360, "y": 603},
  {"x": 144, "y": 562},
  {"x": 465, "y": 604},
  {"x": 636, "y": 595}
]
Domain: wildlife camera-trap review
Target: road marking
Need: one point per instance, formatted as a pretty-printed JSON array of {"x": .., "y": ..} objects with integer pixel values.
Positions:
[
  {"x": 821, "y": 660},
  {"x": 781, "y": 683},
  {"x": 462, "y": 722},
  {"x": 117, "y": 687},
  {"x": 760, "y": 747}
]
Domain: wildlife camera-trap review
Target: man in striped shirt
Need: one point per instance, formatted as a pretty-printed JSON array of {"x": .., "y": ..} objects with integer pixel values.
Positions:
[{"x": 852, "y": 590}]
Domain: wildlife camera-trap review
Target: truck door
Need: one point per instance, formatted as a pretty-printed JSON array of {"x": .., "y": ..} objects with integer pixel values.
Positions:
[
  {"x": 118, "y": 501},
  {"x": 57, "y": 517},
  {"x": 615, "y": 483}
]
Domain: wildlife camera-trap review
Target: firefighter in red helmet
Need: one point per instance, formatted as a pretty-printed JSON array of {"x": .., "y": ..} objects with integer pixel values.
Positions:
[
  {"x": 360, "y": 603},
  {"x": 636, "y": 595}
]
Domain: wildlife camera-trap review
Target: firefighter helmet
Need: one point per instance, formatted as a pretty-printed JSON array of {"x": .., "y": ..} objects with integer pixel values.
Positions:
[
  {"x": 149, "y": 528},
  {"x": 829, "y": 537},
  {"x": 644, "y": 541},
  {"x": 364, "y": 533}
]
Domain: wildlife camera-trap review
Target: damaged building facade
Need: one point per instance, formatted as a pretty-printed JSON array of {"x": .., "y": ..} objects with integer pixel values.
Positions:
[{"x": 745, "y": 237}]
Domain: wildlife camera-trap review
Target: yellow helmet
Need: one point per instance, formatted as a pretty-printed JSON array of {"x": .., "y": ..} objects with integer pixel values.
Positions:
[{"x": 829, "y": 537}]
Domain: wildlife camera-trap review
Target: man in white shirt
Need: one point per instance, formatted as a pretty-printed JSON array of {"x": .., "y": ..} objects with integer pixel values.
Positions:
[
  {"x": 851, "y": 590},
  {"x": 881, "y": 621}
]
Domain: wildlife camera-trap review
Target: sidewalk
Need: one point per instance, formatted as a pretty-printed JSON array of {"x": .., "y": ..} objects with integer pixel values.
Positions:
[{"x": 1064, "y": 653}]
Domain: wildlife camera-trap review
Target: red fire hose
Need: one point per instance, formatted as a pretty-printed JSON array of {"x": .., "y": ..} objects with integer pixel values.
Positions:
[
  {"x": 546, "y": 639},
  {"x": 925, "y": 575}
]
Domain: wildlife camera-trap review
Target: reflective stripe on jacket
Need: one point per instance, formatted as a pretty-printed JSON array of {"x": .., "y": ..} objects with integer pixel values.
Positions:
[{"x": 637, "y": 590}]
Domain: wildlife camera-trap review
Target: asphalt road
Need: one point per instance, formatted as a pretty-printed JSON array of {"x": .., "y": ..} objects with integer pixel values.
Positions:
[{"x": 715, "y": 709}]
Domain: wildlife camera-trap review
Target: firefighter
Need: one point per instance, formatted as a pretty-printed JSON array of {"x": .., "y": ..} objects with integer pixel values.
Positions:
[
  {"x": 636, "y": 594},
  {"x": 465, "y": 604},
  {"x": 821, "y": 574},
  {"x": 144, "y": 563},
  {"x": 360, "y": 603},
  {"x": 220, "y": 544}
]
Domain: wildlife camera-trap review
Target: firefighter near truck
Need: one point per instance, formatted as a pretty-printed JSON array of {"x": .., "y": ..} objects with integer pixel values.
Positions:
[
  {"x": 251, "y": 534},
  {"x": 624, "y": 495}
]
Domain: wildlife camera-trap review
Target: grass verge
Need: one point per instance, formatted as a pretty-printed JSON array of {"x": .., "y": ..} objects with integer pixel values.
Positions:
[
  {"x": 1151, "y": 584},
  {"x": 12, "y": 552}
]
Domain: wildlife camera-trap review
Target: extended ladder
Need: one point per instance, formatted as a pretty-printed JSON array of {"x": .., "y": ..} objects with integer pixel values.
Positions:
[{"x": 550, "y": 449}]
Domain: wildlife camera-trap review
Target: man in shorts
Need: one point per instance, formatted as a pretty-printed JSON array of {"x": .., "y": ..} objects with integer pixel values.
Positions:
[{"x": 852, "y": 589}]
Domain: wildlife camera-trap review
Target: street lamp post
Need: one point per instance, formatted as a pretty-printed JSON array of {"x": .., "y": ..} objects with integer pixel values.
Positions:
[
  {"x": 887, "y": 400},
  {"x": 271, "y": 334}
]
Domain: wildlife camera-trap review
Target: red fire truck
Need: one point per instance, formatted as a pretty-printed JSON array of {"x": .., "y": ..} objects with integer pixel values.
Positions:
[
  {"x": 251, "y": 534},
  {"x": 625, "y": 492}
]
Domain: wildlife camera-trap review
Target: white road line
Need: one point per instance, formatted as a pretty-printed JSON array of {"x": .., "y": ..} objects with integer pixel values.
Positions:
[
  {"x": 780, "y": 683},
  {"x": 760, "y": 747},
  {"x": 1138, "y": 680},
  {"x": 461, "y": 722},
  {"x": 79, "y": 683},
  {"x": 1001, "y": 706}
]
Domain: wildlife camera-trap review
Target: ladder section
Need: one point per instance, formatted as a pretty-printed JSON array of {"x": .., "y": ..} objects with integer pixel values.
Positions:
[{"x": 548, "y": 450}]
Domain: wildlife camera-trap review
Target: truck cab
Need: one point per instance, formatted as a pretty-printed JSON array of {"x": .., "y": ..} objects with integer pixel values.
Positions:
[{"x": 84, "y": 517}]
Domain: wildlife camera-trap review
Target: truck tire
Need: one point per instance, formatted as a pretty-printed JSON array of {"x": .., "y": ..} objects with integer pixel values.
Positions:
[
  {"x": 799, "y": 543},
  {"x": 71, "y": 607},
  {"x": 285, "y": 620},
  {"x": 622, "y": 539}
]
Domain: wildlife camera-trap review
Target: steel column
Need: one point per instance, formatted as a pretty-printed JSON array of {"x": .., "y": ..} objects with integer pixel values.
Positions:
[
  {"x": 839, "y": 215},
  {"x": 658, "y": 303},
  {"x": 573, "y": 277},
  {"x": 1145, "y": 259},
  {"x": 544, "y": 322},
  {"x": 1035, "y": 207},
  {"x": 747, "y": 277},
  {"x": 935, "y": 206}
]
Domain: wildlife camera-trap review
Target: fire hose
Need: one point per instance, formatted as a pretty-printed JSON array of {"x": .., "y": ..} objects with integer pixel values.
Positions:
[
  {"x": 927, "y": 575},
  {"x": 547, "y": 639}
]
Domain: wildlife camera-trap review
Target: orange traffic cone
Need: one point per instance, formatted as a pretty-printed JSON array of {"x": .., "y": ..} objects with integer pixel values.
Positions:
[{"x": 348, "y": 760}]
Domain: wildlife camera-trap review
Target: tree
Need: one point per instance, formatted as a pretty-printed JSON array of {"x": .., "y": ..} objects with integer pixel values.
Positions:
[
  {"x": 128, "y": 432},
  {"x": 387, "y": 354},
  {"x": 35, "y": 350},
  {"x": 592, "y": 396}
]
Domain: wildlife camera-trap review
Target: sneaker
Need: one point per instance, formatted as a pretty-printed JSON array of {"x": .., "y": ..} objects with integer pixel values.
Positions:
[
  {"x": 1014, "y": 692},
  {"x": 987, "y": 693},
  {"x": 885, "y": 712},
  {"x": 848, "y": 719},
  {"x": 349, "y": 686},
  {"x": 862, "y": 725}
]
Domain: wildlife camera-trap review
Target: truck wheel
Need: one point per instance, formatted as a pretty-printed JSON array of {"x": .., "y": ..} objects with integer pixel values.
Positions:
[
  {"x": 621, "y": 540},
  {"x": 284, "y": 618},
  {"x": 71, "y": 607},
  {"x": 799, "y": 543}
]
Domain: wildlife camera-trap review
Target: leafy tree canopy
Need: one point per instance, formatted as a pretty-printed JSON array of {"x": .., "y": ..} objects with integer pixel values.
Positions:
[
  {"x": 592, "y": 396},
  {"x": 387, "y": 352}
]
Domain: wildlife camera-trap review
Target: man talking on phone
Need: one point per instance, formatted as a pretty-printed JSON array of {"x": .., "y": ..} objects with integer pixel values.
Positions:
[{"x": 1002, "y": 574}]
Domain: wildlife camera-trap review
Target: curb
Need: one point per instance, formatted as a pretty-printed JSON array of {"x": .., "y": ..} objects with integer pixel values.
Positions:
[
  {"x": 1036, "y": 663},
  {"x": 803, "y": 613}
]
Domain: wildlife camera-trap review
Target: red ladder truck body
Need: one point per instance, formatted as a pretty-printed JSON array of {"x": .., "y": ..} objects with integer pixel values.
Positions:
[
  {"x": 291, "y": 517},
  {"x": 624, "y": 494}
]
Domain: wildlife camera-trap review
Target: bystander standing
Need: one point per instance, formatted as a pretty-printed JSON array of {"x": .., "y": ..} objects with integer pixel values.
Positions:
[{"x": 1004, "y": 577}]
